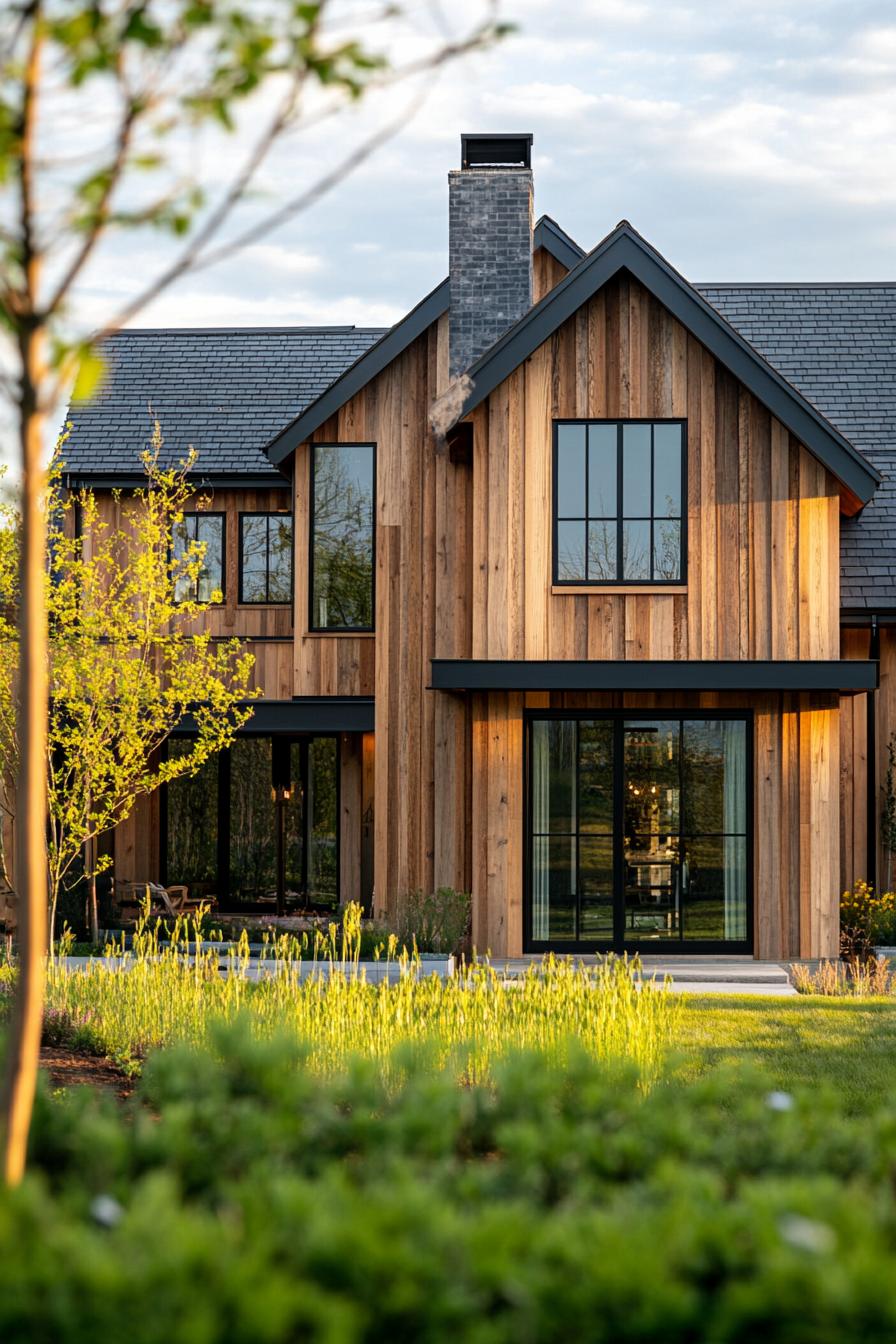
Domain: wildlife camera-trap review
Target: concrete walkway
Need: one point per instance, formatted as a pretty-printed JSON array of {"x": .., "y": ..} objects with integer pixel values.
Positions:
[
  {"x": 694, "y": 975},
  {"x": 686, "y": 975}
]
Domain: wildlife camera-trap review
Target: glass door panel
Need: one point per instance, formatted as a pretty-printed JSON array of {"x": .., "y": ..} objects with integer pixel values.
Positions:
[
  {"x": 638, "y": 831},
  {"x": 323, "y": 821},
  {"x": 253, "y": 873},
  {"x": 651, "y": 791}
]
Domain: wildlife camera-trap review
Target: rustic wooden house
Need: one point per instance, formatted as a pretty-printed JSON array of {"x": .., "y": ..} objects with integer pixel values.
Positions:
[{"x": 575, "y": 589}]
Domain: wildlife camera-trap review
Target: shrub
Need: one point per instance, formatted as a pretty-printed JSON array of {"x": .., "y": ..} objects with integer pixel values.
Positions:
[
  {"x": 438, "y": 921},
  {"x": 240, "y": 1198},
  {"x": 866, "y": 920}
]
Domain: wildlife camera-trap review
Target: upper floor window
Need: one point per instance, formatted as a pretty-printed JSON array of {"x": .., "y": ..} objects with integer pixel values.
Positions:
[
  {"x": 619, "y": 493},
  {"x": 342, "y": 523},
  {"x": 207, "y": 528},
  {"x": 265, "y": 557}
]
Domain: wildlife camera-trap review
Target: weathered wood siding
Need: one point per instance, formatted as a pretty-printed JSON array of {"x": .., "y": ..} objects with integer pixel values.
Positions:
[
  {"x": 763, "y": 515},
  {"x": 268, "y": 629}
]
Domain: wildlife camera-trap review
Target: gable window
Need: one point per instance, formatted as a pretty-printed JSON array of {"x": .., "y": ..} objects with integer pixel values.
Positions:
[
  {"x": 265, "y": 557},
  {"x": 342, "y": 523},
  {"x": 208, "y": 529},
  {"x": 619, "y": 501}
]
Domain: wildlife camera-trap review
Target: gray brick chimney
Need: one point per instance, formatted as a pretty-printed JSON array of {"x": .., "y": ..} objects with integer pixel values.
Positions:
[{"x": 489, "y": 243}]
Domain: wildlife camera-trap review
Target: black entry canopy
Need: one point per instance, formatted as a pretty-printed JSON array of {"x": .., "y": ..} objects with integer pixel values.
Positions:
[
  {"x": 303, "y": 714},
  {"x": 847, "y": 676}
]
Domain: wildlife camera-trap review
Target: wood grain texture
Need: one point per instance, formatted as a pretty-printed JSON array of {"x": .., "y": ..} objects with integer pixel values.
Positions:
[{"x": 763, "y": 576}]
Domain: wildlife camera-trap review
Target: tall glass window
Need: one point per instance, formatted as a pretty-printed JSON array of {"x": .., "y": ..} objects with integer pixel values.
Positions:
[
  {"x": 265, "y": 557},
  {"x": 191, "y": 839},
  {"x": 619, "y": 501},
  {"x": 638, "y": 830},
  {"x": 342, "y": 531},
  {"x": 208, "y": 529}
]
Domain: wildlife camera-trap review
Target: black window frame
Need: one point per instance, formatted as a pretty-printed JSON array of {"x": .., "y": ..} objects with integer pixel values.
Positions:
[
  {"x": 210, "y": 513},
  {"x": 313, "y": 627},
  {"x": 267, "y": 601},
  {"x": 224, "y": 761},
  {"x": 618, "y": 943},
  {"x": 619, "y": 582}
]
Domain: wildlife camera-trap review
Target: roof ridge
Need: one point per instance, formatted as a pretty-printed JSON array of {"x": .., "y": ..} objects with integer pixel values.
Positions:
[{"x": 795, "y": 284}]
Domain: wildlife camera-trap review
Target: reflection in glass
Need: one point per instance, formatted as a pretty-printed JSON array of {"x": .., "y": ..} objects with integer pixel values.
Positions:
[
  {"x": 323, "y": 841},
  {"x": 208, "y": 530},
  {"x": 602, "y": 559},
  {"x": 252, "y": 842},
  {"x": 636, "y": 550},
  {"x": 612, "y": 527},
  {"x": 602, "y": 468},
  {"x": 570, "y": 470},
  {"x": 636, "y": 471},
  {"x": 667, "y": 549},
  {"x": 342, "y": 537},
  {"x": 570, "y": 552},
  {"x": 191, "y": 854},
  {"x": 667, "y": 448},
  {"x": 266, "y": 557}
]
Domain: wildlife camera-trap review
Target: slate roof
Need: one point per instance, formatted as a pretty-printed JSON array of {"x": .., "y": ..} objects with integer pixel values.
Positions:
[
  {"x": 222, "y": 390},
  {"x": 837, "y": 344},
  {"x": 229, "y": 391}
]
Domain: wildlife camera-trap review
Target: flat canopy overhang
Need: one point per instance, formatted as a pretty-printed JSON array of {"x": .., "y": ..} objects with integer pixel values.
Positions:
[
  {"x": 846, "y": 677},
  {"x": 303, "y": 714}
]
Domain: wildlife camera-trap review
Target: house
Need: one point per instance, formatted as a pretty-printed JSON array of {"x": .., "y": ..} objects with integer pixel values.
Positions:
[{"x": 575, "y": 589}]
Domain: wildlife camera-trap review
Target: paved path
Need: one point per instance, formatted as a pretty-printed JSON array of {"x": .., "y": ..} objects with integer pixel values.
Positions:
[{"x": 687, "y": 975}]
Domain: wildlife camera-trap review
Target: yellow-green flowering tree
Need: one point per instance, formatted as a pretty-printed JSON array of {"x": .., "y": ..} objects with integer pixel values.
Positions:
[{"x": 128, "y": 659}]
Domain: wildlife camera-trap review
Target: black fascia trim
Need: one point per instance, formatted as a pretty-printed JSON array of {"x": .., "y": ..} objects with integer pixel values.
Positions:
[
  {"x": 358, "y": 375},
  {"x": 625, "y": 249},
  {"x": 136, "y": 480},
  {"x": 304, "y": 714},
  {"x": 549, "y": 235},
  {"x": 846, "y": 676}
]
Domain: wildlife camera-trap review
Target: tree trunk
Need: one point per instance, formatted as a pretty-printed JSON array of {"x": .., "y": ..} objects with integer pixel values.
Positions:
[
  {"x": 31, "y": 839},
  {"x": 93, "y": 919}
]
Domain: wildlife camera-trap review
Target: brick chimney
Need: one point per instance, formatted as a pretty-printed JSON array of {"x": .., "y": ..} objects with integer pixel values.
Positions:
[{"x": 489, "y": 243}]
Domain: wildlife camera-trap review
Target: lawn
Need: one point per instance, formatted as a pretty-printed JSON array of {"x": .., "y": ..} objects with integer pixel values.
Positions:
[{"x": 848, "y": 1044}]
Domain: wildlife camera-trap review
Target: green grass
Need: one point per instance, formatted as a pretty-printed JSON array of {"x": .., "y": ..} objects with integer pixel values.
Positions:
[{"x": 848, "y": 1044}]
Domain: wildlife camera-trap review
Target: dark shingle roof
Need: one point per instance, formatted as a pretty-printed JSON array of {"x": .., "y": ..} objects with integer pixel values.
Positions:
[
  {"x": 837, "y": 344},
  {"x": 223, "y": 391},
  {"x": 227, "y": 392}
]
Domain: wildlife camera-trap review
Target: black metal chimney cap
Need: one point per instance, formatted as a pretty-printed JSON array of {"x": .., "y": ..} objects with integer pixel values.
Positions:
[{"x": 496, "y": 151}]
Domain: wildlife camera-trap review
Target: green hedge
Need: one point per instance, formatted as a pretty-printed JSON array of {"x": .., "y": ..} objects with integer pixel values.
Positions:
[{"x": 238, "y": 1198}]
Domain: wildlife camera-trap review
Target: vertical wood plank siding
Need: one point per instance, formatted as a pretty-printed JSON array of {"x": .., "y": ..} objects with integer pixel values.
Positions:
[{"x": 762, "y": 582}]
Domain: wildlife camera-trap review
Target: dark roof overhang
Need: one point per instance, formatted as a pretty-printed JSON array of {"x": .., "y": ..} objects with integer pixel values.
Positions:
[
  {"x": 136, "y": 480},
  {"x": 547, "y": 234},
  {"x": 303, "y": 714},
  {"x": 625, "y": 250},
  {"x": 846, "y": 677}
]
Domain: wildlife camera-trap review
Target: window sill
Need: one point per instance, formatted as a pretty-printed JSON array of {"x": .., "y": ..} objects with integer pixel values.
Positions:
[
  {"x": 339, "y": 634},
  {"x": 617, "y": 589}
]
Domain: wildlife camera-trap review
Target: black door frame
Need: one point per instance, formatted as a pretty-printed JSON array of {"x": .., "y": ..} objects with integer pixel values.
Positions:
[
  {"x": 303, "y": 741},
  {"x": 619, "y": 944}
]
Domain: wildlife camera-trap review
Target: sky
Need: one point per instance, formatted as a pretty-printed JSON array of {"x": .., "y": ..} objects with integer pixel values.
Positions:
[{"x": 747, "y": 140}]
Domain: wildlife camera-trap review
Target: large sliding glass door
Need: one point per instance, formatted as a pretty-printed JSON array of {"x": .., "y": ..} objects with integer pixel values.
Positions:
[
  {"x": 219, "y": 833},
  {"x": 639, "y": 831}
]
